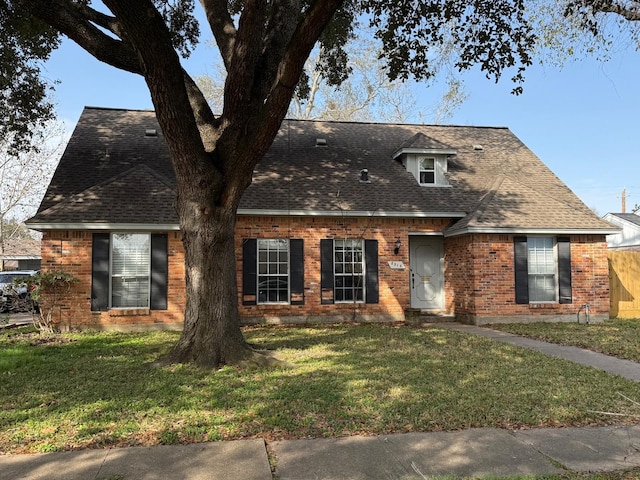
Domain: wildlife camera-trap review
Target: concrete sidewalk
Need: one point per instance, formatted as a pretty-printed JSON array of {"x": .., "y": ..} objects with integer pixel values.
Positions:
[{"x": 474, "y": 453}]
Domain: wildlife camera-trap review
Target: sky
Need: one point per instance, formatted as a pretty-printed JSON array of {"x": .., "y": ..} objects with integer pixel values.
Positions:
[{"x": 580, "y": 120}]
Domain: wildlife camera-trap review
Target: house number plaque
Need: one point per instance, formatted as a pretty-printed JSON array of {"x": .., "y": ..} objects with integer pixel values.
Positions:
[{"x": 396, "y": 265}]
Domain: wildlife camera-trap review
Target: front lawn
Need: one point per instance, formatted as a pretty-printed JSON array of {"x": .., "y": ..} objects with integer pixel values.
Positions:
[
  {"x": 100, "y": 389},
  {"x": 620, "y": 338}
]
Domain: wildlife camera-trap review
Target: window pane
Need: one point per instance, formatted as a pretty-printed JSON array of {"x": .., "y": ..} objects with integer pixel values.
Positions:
[
  {"x": 273, "y": 268},
  {"x": 130, "y": 265},
  {"x": 542, "y": 269},
  {"x": 348, "y": 270},
  {"x": 427, "y": 177},
  {"x": 427, "y": 164}
]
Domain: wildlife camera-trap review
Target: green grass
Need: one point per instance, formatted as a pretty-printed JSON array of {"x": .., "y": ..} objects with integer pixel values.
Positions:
[
  {"x": 100, "y": 389},
  {"x": 620, "y": 338}
]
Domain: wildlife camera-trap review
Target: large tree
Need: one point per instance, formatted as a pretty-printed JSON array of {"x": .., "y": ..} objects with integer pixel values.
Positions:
[{"x": 264, "y": 46}]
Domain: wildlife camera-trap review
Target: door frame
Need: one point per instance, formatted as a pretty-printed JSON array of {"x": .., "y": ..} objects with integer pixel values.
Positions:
[{"x": 438, "y": 241}]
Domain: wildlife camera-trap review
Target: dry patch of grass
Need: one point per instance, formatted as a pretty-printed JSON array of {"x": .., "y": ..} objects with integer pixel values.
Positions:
[{"x": 100, "y": 389}]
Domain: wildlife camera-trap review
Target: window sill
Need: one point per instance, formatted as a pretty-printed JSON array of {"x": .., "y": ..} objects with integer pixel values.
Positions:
[{"x": 129, "y": 312}]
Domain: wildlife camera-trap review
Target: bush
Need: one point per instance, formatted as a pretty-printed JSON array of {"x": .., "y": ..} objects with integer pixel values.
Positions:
[{"x": 47, "y": 288}]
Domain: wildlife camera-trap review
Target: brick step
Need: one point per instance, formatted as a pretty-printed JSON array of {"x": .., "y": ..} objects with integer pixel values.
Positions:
[{"x": 418, "y": 315}]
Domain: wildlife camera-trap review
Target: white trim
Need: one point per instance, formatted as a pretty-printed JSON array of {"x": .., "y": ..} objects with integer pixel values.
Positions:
[
  {"x": 348, "y": 213},
  {"x": 425, "y": 234},
  {"x": 532, "y": 231},
  {"x": 139, "y": 227},
  {"x": 424, "y": 151}
]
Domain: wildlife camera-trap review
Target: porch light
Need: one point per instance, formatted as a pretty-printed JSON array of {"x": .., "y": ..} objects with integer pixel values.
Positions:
[{"x": 396, "y": 250}]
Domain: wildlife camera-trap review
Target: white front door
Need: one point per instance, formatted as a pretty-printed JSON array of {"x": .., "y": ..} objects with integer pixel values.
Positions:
[{"x": 426, "y": 272}]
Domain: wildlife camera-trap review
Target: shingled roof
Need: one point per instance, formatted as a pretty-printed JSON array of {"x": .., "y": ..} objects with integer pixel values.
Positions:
[{"x": 115, "y": 172}]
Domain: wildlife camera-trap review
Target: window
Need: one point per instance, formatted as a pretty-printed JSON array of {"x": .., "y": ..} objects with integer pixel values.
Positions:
[
  {"x": 427, "y": 170},
  {"x": 348, "y": 268},
  {"x": 273, "y": 271},
  {"x": 129, "y": 270},
  {"x": 348, "y": 271},
  {"x": 542, "y": 269}
]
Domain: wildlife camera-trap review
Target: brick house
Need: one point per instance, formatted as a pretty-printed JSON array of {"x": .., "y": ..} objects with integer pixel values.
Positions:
[{"x": 343, "y": 221}]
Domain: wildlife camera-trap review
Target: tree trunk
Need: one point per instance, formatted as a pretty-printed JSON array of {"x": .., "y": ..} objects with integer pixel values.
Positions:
[{"x": 211, "y": 335}]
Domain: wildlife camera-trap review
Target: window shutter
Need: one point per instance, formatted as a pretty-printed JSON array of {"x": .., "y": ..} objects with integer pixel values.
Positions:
[
  {"x": 159, "y": 271},
  {"x": 564, "y": 270},
  {"x": 521, "y": 269},
  {"x": 371, "y": 266},
  {"x": 100, "y": 272},
  {"x": 249, "y": 273},
  {"x": 296, "y": 275},
  {"x": 326, "y": 271}
]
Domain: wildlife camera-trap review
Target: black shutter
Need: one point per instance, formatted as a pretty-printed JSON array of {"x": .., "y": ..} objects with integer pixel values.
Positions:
[
  {"x": 100, "y": 272},
  {"x": 564, "y": 269},
  {"x": 296, "y": 275},
  {"x": 159, "y": 271},
  {"x": 371, "y": 266},
  {"x": 521, "y": 269},
  {"x": 249, "y": 273},
  {"x": 326, "y": 271}
]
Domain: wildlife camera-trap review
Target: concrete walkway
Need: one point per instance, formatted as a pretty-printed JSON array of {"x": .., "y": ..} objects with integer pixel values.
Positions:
[
  {"x": 473, "y": 453},
  {"x": 613, "y": 365}
]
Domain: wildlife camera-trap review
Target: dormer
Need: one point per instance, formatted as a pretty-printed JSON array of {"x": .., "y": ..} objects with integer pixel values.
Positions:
[{"x": 426, "y": 159}]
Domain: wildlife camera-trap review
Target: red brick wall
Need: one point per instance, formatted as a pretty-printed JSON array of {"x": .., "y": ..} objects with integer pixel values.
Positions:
[
  {"x": 71, "y": 251},
  {"x": 393, "y": 284},
  {"x": 479, "y": 274},
  {"x": 480, "y": 270}
]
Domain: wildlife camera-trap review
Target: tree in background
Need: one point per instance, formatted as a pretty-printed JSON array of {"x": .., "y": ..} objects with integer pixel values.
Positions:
[
  {"x": 264, "y": 47},
  {"x": 366, "y": 95},
  {"x": 25, "y": 172}
]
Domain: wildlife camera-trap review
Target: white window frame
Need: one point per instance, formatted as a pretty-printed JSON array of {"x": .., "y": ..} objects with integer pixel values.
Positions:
[
  {"x": 533, "y": 275},
  {"x": 426, "y": 170},
  {"x": 133, "y": 275},
  {"x": 343, "y": 265},
  {"x": 265, "y": 267}
]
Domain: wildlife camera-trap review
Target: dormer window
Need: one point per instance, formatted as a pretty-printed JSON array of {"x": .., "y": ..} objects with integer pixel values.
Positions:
[
  {"x": 427, "y": 170},
  {"x": 426, "y": 159}
]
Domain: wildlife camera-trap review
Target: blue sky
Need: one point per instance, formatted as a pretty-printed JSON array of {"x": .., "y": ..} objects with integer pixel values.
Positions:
[{"x": 581, "y": 120}]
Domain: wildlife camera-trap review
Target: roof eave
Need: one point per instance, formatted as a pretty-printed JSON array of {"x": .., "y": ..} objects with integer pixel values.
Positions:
[
  {"x": 348, "y": 213},
  {"x": 424, "y": 151},
  {"x": 532, "y": 231},
  {"x": 140, "y": 227}
]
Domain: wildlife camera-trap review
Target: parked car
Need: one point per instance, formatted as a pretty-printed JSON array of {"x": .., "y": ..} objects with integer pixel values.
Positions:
[{"x": 15, "y": 297}]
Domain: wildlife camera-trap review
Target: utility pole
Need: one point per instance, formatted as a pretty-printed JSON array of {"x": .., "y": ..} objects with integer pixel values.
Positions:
[{"x": 624, "y": 196}]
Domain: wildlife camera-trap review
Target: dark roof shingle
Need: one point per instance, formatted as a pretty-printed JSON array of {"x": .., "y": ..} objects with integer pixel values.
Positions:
[{"x": 501, "y": 185}]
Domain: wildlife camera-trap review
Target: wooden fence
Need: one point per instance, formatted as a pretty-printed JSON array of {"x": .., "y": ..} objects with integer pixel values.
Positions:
[{"x": 624, "y": 284}]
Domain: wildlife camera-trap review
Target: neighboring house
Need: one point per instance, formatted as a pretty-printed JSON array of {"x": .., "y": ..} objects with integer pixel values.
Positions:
[
  {"x": 628, "y": 238},
  {"x": 343, "y": 221},
  {"x": 20, "y": 254}
]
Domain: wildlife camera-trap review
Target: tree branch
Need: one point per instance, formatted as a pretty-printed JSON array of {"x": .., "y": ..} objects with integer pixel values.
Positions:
[
  {"x": 168, "y": 84},
  {"x": 77, "y": 22},
  {"x": 221, "y": 24},
  {"x": 631, "y": 12},
  {"x": 298, "y": 50}
]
